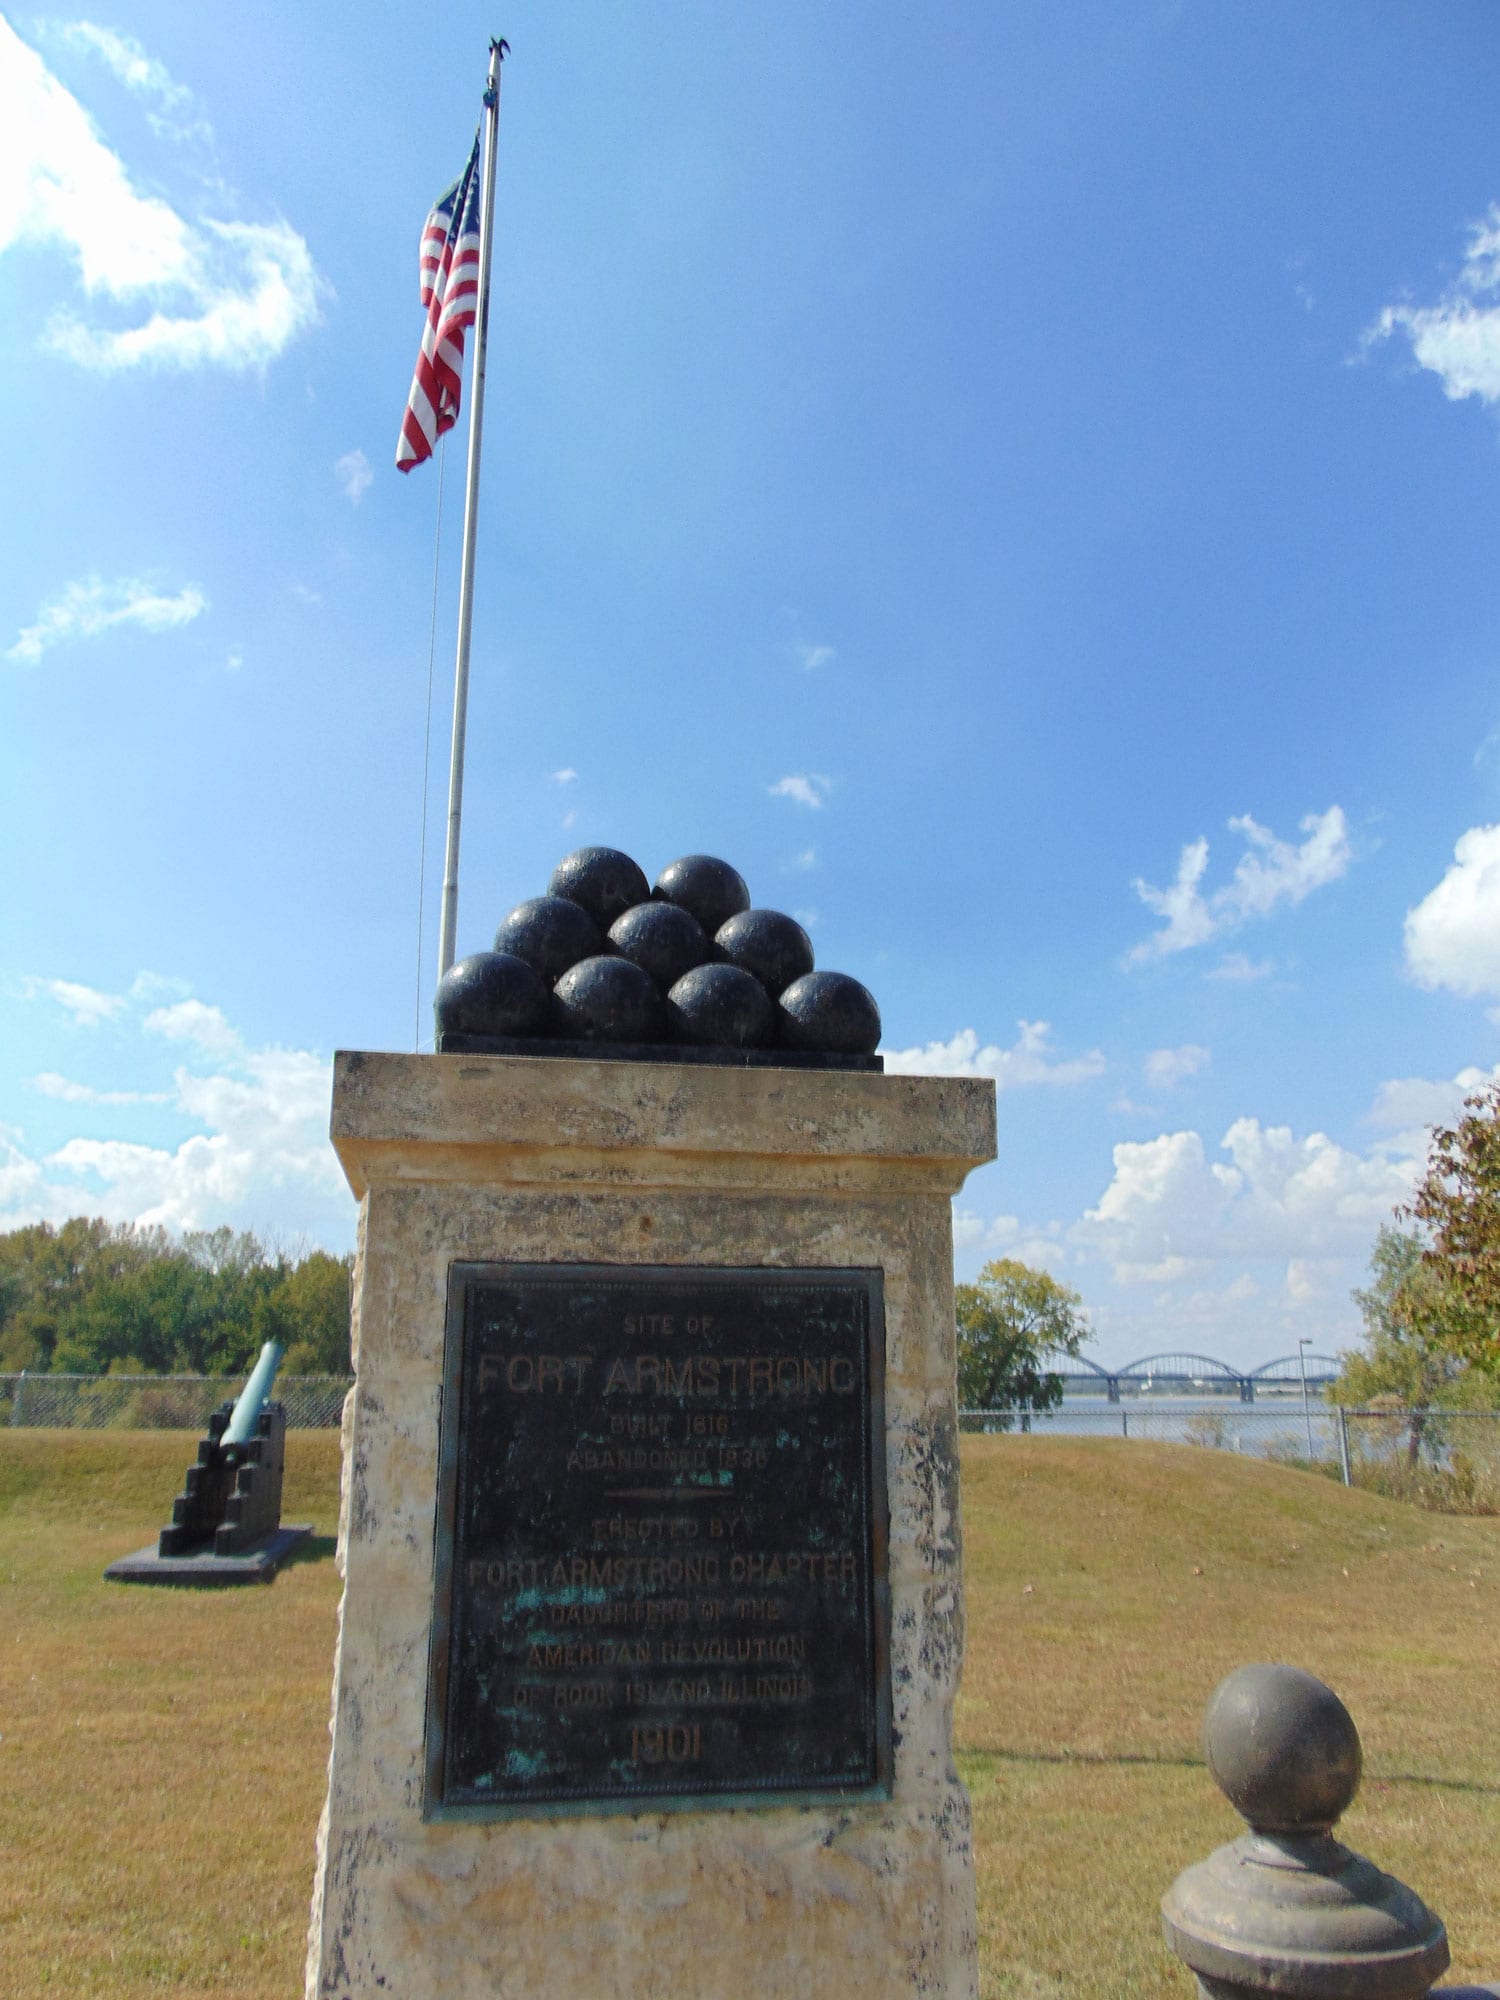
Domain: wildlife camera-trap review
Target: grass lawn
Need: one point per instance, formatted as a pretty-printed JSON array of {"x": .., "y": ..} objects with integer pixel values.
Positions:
[
  {"x": 1112, "y": 1585},
  {"x": 162, "y": 1753}
]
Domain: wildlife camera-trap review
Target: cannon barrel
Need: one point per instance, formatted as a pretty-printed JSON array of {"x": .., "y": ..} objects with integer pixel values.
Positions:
[{"x": 242, "y": 1423}]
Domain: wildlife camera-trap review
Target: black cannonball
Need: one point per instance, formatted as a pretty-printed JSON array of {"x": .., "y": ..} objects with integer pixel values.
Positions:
[
  {"x": 773, "y": 947},
  {"x": 830, "y": 1014},
  {"x": 722, "y": 1007},
  {"x": 551, "y": 933},
  {"x": 608, "y": 1000},
  {"x": 492, "y": 993},
  {"x": 662, "y": 939},
  {"x": 602, "y": 879},
  {"x": 707, "y": 889}
]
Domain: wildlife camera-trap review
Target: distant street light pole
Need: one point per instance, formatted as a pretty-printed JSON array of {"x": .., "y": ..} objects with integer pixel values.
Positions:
[{"x": 1302, "y": 1346}]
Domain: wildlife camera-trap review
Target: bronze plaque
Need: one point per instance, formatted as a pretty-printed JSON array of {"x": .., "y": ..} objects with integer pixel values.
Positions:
[{"x": 661, "y": 1542}]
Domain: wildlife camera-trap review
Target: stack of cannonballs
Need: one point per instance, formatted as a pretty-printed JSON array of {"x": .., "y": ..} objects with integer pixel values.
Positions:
[{"x": 685, "y": 968}]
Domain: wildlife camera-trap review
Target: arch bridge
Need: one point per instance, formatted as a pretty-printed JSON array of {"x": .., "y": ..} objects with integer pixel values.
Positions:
[{"x": 1196, "y": 1375}]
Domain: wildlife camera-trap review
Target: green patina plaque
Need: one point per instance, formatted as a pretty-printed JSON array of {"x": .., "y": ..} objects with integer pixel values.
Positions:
[{"x": 661, "y": 1543}]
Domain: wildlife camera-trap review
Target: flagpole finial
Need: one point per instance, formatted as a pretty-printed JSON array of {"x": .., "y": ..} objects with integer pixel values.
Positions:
[{"x": 499, "y": 50}]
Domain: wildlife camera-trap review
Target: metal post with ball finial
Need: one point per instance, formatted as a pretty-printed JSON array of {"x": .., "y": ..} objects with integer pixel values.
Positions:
[{"x": 1287, "y": 1908}]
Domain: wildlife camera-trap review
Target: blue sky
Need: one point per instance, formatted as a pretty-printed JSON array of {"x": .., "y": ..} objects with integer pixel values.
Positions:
[{"x": 1019, "y": 482}]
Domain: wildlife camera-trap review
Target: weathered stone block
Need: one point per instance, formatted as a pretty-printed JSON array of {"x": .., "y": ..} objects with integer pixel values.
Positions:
[{"x": 514, "y": 1161}]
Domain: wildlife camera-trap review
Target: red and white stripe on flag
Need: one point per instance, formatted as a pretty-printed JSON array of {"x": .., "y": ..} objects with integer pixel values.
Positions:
[{"x": 450, "y": 292}]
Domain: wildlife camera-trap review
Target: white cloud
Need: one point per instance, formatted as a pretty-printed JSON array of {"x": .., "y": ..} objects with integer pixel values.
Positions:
[
  {"x": 1189, "y": 920},
  {"x": 1028, "y": 1060},
  {"x": 1412, "y": 1103},
  {"x": 126, "y": 59},
  {"x": 213, "y": 294},
  {"x": 1306, "y": 1282},
  {"x": 87, "y": 1005},
  {"x": 1407, "y": 1107},
  {"x": 192, "y": 1021},
  {"x": 355, "y": 475},
  {"x": 91, "y": 607},
  {"x": 1453, "y": 934},
  {"x": 1241, "y": 1249},
  {"x": 810, "y": 654},
  {"x": 266, "y": 1131},
  {"x": 257, "y": 1154},
  {"x": 564, "y": 777},
  {"x": 1170, "y": 1210},
  {"x": 159, "y": 986},
  {"x": 978, "y": 1240},
  {"x": 1270, "y": 872},
  {"x": 804, "y": 788},
  {"x": 801, "y": 863},
  {"x": 1234, "y": 965},
  {"x": 1458, "y": 339},
  {"x": 22, "y": 1193},
  {"x": 1166, "y": 1067},
  {"x": 251, "y": 289},
  {"x": 1273, "y": 871},
  {"x": 49, "y": 1084}
]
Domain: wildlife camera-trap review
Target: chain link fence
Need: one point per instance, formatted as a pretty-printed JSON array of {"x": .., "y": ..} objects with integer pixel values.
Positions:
[
  {"x": 1260, "y": 1430},
  {"x": 158, "y": 1402},
  {"x": 1448, "y": 1459},
  {"x": 1441, "y": 1458}
]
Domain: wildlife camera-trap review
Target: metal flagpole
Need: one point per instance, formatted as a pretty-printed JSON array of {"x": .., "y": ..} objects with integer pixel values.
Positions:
[{"x": 449, "y": 924}]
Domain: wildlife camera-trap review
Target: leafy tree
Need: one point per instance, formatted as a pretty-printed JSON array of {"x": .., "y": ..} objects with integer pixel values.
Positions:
[
  {"x": 1410, "y": 1358},
  {"x": 137, "y": 1322},
  {"x": 1008, "y": 1323},
  {"x": 188, "y": 1307},
  {"x": 313, "y": 1306},
  {"x": 46, "y": 1274},
  {"x": 1458, "y": 1201},
  {"x": 91, "y": 1297}
]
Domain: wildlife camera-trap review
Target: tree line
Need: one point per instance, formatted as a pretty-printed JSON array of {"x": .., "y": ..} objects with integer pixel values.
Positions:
[
  {"x": 1432, "y": 1306},
  {"x": 91, "y": 1297}
]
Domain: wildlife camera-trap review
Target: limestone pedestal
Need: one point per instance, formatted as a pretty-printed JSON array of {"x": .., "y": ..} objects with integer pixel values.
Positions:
[{"x": 524, "y": 1160}]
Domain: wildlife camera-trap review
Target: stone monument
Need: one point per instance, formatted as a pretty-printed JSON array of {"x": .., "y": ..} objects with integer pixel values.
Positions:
[{"x": 652, "y": 1619}]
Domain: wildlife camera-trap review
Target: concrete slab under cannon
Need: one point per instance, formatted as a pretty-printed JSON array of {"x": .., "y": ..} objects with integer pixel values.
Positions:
[{"x": 203, "y": 1570}]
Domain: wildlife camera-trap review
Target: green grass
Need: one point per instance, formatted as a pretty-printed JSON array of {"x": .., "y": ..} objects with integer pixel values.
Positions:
[
  {"x": 1111, "y": 1586},
  {"x": 162, "y": 1753}
]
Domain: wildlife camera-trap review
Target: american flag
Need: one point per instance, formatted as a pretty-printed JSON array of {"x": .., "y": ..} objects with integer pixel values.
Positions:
[{"x": 450, "y": 288}]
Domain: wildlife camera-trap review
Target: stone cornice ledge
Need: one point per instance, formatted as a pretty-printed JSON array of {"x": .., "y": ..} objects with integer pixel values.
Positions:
[{"x": 526, "y": 1118}]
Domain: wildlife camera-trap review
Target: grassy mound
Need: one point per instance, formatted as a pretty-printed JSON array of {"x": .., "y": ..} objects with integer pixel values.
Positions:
[
  {"x": 162, "y": 1753},
  {"x": 1111, "y": 1585},
  {"x": 126, "y": 1480}
]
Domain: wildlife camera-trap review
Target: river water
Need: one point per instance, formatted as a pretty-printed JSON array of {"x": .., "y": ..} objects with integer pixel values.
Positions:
[{"x": 1273, "y": 1425}]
